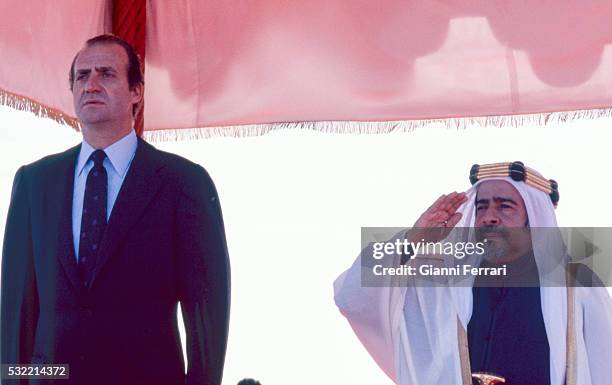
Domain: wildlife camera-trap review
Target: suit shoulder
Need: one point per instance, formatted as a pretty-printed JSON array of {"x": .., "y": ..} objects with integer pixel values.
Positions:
[
  {"x": 180, "y": 166},
  {"x": 184, "y": 171},
  {"x": 49, "y": 161}
]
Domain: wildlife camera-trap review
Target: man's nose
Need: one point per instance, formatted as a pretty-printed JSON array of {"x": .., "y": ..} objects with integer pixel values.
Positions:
[
  {"x": 490, "y": 218},
  {"x": 92, "y": 84}
]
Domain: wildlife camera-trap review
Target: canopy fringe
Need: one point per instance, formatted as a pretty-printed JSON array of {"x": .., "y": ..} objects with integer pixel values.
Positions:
[
  {"x": 23, "y": 103},
  {"x": 367, "y": 127}
]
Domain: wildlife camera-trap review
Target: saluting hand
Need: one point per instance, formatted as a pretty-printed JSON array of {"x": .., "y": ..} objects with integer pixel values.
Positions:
[{"x": 439, "y": 219}]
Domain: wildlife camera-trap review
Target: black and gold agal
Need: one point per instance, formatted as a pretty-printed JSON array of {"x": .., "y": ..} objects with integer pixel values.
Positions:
[{"x": 518, "y": 172}]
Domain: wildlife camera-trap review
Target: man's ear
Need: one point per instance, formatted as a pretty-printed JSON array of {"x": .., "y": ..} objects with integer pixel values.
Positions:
[
  {"x": 137, "y": 92},
  {"x": 137, "y": 95}
]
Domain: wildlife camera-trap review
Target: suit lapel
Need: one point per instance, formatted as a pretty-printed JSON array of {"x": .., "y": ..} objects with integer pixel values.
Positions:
[
  {"x": 138, "y": 189},
  {"x": 62, "y": 231}
]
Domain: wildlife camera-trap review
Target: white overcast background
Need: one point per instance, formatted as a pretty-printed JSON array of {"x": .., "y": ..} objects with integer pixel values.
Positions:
[{"x": 294, "y": 202}]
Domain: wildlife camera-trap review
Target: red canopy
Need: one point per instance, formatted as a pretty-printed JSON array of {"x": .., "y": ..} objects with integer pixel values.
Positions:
[{"x": 246, "y": 67}]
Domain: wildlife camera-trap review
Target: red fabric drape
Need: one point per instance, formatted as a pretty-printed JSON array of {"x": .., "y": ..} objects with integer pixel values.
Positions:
[
  {"x": 129, "y": 23},
  {"x": 253, "y": 64},
  {"x": 242, "y": 67},
  {"x": 38, "y": 40}
]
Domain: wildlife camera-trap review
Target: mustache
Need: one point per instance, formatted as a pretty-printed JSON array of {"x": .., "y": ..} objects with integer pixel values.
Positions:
[{"x": 492, "y": 230}]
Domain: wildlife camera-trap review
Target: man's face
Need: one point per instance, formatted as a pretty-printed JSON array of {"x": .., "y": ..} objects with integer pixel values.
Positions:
[
  {"x": 101, "y": 92},
  {"x": 501, "y": 219}
]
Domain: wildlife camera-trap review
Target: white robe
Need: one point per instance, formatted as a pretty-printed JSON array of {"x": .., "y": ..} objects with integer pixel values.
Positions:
[{"x": 411, "y": 332}]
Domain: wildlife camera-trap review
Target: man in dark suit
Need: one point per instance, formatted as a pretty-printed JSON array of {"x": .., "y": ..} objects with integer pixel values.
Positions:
[{"x": 104, "y": 240}]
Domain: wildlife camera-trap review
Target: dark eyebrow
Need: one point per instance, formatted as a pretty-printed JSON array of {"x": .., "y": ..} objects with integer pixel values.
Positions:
[
  {"x": 103, "y": 69},
  {"x": 98, "y": 69},
  {"x": 497, "y": 200},
  {"x": 505, "y": 200}
]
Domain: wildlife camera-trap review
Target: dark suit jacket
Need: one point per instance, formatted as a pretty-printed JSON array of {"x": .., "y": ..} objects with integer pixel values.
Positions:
[{"x": 164, "y": 243}]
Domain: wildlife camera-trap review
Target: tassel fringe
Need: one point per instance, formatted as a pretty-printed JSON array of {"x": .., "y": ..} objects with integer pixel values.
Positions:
[
  {"x": 23, "y": 103},
  {"x": 373, "y": 127},
  {"x": 333, "y": 127}
]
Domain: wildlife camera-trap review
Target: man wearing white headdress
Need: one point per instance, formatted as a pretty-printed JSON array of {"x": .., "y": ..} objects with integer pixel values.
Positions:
[{"x": 419, "y": 334}]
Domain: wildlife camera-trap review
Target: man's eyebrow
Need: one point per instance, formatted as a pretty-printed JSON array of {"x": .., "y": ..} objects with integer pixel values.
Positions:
[
  {"x": 504, "y": 200},
  {"x": 98, "y": 69},
  {"x": 497, "y": 200},
  {"x": 105, "y": 68}
]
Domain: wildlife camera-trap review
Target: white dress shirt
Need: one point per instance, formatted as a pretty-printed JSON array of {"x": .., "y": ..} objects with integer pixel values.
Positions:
[{"x": 119, "y": 156}]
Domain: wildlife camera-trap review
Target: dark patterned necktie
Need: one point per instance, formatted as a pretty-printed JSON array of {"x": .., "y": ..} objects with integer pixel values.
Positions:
[{"x": 93, "y": 220}]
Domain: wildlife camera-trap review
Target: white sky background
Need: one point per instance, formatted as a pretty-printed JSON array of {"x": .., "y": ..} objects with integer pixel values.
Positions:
[{"x": 294, "y": 202}]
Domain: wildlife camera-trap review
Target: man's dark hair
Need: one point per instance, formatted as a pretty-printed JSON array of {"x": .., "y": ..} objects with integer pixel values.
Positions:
[
  {"x": 134, "y": 70},
  {"x": 249, "y": 381}
]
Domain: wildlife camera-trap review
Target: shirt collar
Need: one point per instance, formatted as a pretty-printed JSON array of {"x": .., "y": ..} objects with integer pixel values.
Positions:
[{"x": 119, "y": 153}]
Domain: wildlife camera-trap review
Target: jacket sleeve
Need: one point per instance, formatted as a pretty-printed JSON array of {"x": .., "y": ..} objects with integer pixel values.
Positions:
[
  {"x": 204, "y": 280},
  {"x": 19, "y": 295}
]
